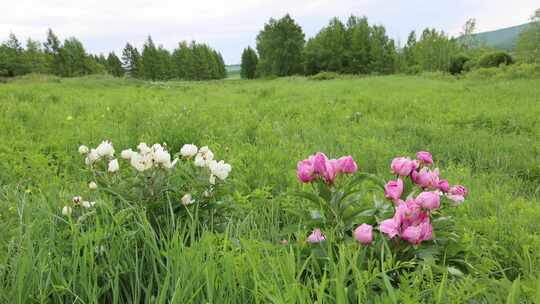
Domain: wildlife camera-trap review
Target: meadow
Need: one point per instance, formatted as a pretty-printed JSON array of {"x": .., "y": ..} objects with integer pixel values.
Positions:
[{"x": 484, "y": 133}]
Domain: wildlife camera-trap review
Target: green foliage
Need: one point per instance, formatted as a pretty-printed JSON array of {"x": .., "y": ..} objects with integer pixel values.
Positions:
[
  {"x": 114, "y": 65},
  {"x": 515, "y": 71},
  {"x": 528, "y": 45},
  {"x": 495, "y": 59},
  {"x": 457, "y": 63},
  {"x": 484, "y": 132},
  {"x": 280, "y": 45},
  {"x": 131, "y": 61},
  {"x": 324, "y": 76},
  {"x": 248, "y": 68}
]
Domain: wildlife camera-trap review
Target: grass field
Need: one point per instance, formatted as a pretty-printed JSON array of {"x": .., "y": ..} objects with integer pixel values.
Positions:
[{"x": 483, "y": 134}]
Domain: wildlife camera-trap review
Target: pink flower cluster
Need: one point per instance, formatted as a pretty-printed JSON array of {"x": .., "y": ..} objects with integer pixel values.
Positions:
[
  {"x": 319, "y": 165},
  {"x": 363, "y": 234},
  {"x": 411, "y": 221}
]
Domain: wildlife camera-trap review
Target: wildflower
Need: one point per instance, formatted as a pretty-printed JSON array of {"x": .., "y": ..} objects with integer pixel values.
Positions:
[
  {"x": 457, "y": 193},
  {"x": 187, "y": 200},
  {"x": 126, "y": 154},
  {"x": 76, "y": 199},
  {"x": 67, "y": 211},
  {"x": 92, "y": 185},
  {"x": 429, "y": 200},
  {"x": 143, "y": 148},
  {"x": 424, "y": 158},
  {"x": 91, "y": 157},
  {"x": 444, "y": 186},
  {"x": 316, "y": 236},
  {"x": 393, "y": 189},
  {"x": 87, "y": 204},
  {"x": 304, "y": 171},
  {"x": 364, "y": 234},
  {"x": 105, "y": 149},
  {"x": 390, "y": 227},
  {"x": 346, "y": 164},
  {"x": 83, "y": 149},
  {"x": 220, "y": 169},
  {"x": 199, "y": 161},
  {"x": 113, "y": 166},
  {"x": 426, "y": 178},
  {"x": 188, "y": 150},
  {"x": 403, "y": 166}
]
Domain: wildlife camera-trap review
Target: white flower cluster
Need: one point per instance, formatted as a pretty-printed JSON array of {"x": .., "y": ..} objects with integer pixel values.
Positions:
[
  {"x": 105, "y": 150},
  {"x": 204, "y": 157},
  {"x": 77, "y": 201},
  {"x": 148, "y": 157}
]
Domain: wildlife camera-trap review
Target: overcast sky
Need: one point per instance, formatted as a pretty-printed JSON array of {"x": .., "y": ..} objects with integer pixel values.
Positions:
[{"x": 229, "y": 26}]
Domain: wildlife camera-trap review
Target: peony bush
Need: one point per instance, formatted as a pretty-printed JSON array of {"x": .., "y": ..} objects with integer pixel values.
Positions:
[
  {"x": 344, "y": 207},
  {"x": 186, "y": 185}
]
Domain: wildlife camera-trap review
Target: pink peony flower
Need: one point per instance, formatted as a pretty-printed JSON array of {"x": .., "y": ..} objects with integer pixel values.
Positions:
[
  {"x": 428, "y": 200},
  {"x": 331, "y": 170},
  {"x": 319, "y": 163},
  {"x": 346, "y": 164},
  {"x": 364, "y": 234},
  {"x": 426, "y": 178},
  {"x": 444, "y": 186},
  {"x": 390, "y": 227},
  {"x": 316, "y": 236},
  {"x": 457, "y": 194},
  {"x": 425, "y": 158},
  {"x": 393, "y": 189},
  {"x": 304, "y": 171},
  {"x": 403, "y": 166},
  {"x": 418, "y": 233}
]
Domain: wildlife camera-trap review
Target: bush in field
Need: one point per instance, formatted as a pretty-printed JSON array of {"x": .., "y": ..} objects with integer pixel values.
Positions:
[
  {"x": 457, "y": 63},
  {"x": 495, "y": 59},
  {"x": 345, "y": 205},
  {"x": 515, "y": 71},
  {"x": 249, "y": 63},
  {"x": 188, "y": 187},
  {"x": 324, "y": 76}
]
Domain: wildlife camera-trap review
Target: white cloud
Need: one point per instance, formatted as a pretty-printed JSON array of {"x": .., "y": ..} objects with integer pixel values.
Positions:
[{"x": 229, "y": 26}]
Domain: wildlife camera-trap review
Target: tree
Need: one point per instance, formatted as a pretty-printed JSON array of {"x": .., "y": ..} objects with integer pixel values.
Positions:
[
  {"x": 12, "y": 61},
  {"x": 34, "y": 57},
  {"x": 528, "y": 46},
  {"x": 358, "y": 55},
  {"x": 131, "y": 60},
  {"x": 382, "y": 51},
  {"x": 114, "y": 65},
  {"x": 327, "y": 50},
  {"x": 249, "y": 63},
  {"x": 150, "y": 60},
  {"x": 280, "y": 45},
  {"x": 467, "y": 34},
  {"x": 182, "y": 58}
]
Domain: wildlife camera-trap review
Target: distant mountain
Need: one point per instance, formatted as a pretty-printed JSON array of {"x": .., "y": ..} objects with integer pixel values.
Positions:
[{"x": 505, "y": 38}]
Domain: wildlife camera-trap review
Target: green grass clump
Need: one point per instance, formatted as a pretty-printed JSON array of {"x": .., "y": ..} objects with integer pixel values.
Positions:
[{"x": 485, "y": 134}]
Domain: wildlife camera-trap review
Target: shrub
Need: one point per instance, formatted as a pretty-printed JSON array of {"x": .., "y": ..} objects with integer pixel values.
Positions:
[
  {"x": 457, "y": 63},
  {"x": 517, "y": 71},
  {"x": 324, "y": 76},
  {"x": 495, "y": 59}
]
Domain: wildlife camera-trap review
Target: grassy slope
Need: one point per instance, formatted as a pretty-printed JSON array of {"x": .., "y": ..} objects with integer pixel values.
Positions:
[{"x": 484, "y": 134}]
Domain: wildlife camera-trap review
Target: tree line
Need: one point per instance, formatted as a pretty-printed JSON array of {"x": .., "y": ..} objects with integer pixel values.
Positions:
[
  {"x": 356, "y": 47},
  {"x": 189, "y": 61}
]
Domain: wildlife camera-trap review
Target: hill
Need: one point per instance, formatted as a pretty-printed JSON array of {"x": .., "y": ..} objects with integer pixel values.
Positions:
[{"x": 505, "y": 38}]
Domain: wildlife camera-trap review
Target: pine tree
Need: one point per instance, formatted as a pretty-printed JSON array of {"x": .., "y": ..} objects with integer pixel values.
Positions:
[
  {"x": 249, "y": 62},
  {"x": 131, "y": 60},
  {"x": 150, "y": 60},
  {"x": 12, "y": 61},
  {"x": 114, "y": 65}
]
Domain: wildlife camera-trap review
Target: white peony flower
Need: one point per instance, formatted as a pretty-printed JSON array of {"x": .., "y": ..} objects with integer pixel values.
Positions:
[
  {"x": 161, "y": 156},
  {"x": 92, "y": 185},
  {"x": 105, "y": 149},
  {"x": 76, "y": 199},
  {"x": 199, "y": 161},
  {"x": 143, "y": 148},
  {"x": 91, "y": 157},
  {"x": 113, "y": 166},
  {"x": 138, "y": 162},
  {"x": 126, "y": 154},
  {"x": 212, "y": 179},
  {"x": 187, "y": 200},
  {"x": 87, "y": 204},
  {"x": 67, "y": 211},
  {"x": 83, "y": 149},
  {"x": 220, "y": 169},
  {"x": 171, "y": 165},
  {"x": 188, "y": 150}
]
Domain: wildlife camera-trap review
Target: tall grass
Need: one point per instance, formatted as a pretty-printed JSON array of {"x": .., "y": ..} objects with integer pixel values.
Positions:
[{"x": 486, "y": 134}]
